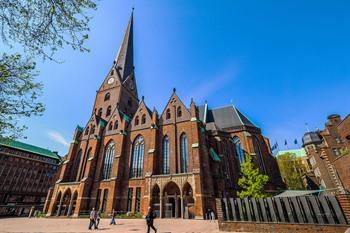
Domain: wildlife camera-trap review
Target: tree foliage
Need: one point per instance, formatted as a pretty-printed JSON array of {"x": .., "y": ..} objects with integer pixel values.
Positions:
[
  {"x": 18, "y": 93},
  {"x": 44, "y": 26},
  {"x": 252, "y": 182},
  {"x": 292, "y": 169}
]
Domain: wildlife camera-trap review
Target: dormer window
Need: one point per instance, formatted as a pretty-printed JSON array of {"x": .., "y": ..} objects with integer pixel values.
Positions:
[
  {"x": 137, "y": 121},
  {"x": 109, "y": 110},
  {"x": 116, "y": 125},
  {"x": 167, "y": 115},
  {"x": 143, "y": 119},
  {"x": 99, "y": 112},
  {"x": 179, "y": 112},
  {"x": 107, "y": 96}
]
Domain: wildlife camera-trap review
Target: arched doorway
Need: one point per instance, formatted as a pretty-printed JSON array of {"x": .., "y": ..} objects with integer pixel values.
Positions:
[
  {"x": 188, "y": 202},
  {"x": 57, "y": 204},
  {"x": 65, "y": 203},
  {"x": 172, "y": 201},
  {"x": 155, "y": 200},
  {"x": 73, "y": 203}
]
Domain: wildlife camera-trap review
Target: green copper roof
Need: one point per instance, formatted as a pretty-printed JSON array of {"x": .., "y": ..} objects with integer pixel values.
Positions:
[
  {"x": 298, "y": 152},
  {"x": 29, "y": 148}
]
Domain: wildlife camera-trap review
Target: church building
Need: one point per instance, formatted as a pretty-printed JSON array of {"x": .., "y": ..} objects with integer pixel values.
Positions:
[{"x": 129, "y": 157}]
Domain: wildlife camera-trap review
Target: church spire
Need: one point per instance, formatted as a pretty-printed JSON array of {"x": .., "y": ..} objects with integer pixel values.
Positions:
[{"x": 124, "y": 61}]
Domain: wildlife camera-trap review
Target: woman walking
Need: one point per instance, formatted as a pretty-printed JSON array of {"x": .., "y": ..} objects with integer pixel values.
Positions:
[{"x": 149, "y": 220}]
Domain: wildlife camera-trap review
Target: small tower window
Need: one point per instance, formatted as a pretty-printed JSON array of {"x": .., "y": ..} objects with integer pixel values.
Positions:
[
  {"x": 143, "y": 119},
  {"x": 116, "y": 125},
  {"x": 137, "y": 121},
  {"x": 110, "y": 126},
  {"x": 92, "y": 131},
  {"x": 107, "y": 96},
  {"x": 99, "y": 112},
  {"x": 109, "y": 110},
  {"x": 87, "y": 130},
  {"x": 179, "y": 112},
  {"x": 167, "y": 114}
]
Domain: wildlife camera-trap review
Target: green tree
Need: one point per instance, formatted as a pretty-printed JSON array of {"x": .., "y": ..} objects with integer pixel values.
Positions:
[
  {"x": 252, "y": 181},
  {"x": 292, "y": 169},
  {"x": 41, "y": 28},
  {"x": 18, "y": 94}
]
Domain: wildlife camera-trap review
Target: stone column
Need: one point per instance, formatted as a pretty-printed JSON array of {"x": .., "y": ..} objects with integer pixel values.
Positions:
[
  {"x": 182, "y": 206},
  {"x": 161, "y": 205},
  {"x": 70, "y": 206}
]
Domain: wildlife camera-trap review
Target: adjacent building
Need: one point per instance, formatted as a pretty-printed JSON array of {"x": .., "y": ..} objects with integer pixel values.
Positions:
[
  {"x": 328, "y": 151},
  {"x": 26, "y": 174},
  {"x": 128, "y": 157}
]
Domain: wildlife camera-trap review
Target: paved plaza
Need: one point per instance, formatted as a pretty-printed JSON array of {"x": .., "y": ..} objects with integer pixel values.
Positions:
[{"x": 59, "y": 225}]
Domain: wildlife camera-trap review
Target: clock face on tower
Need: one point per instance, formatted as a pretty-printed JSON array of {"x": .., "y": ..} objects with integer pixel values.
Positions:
[{"x": 110, "y": 81}]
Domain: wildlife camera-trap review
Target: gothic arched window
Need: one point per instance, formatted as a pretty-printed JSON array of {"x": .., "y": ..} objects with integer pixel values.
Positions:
[
  {"x": 116, "y": 125},
  {"x": 179, "y": 112},
  {"x": 92, "y": 131},
  {"x": 166, "y": 155},
  {"x": 87, "y": 130},
  {"x": 137, "y": 121},
  {"x": 239, "y": 151},
  {"x": 108, "y": 161},
  {"x": 143, "y": 119},
  {"x": 184, "y": 153},
  {"x": 75, "y": 171},
  {"x": 107, "y": 96},
  {"x": 258, "y": 153},
  {"x": 87, "y": 156},
  {"x": 110, "y": 126},
  {"x": 109, "y": 111},
  {"x": 137, "y": 157},
  {"x": 99, "y": 112},
  {"x": 167, "y": 114}
]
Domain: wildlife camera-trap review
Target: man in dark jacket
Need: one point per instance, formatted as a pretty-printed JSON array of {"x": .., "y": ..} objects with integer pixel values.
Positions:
[
  {"x": 92, "y": 219},
  {"x": 149, "y": 220}
]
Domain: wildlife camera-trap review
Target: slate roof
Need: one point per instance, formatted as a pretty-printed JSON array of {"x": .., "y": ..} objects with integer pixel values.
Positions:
[
  {"x": 29, "y": 148},
  {"x": 225, "y": 117}
]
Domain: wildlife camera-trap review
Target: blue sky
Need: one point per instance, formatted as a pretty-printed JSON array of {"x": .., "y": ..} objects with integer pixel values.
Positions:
[{"x": 282, "y": 63}]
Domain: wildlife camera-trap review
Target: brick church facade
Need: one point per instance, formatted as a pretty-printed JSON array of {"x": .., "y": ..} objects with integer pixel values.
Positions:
[{"x": 129, "y": 157}]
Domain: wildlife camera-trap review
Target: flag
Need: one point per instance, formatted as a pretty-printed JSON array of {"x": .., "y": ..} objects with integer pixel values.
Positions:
[
  {"x": 285, "y": 142},
  {"x": 295, "y": 141},
  {"x": 274, "y": 147}
]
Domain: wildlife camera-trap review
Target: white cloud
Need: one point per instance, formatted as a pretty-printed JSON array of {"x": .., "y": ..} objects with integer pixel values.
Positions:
[{"x": 57, "y": 137}]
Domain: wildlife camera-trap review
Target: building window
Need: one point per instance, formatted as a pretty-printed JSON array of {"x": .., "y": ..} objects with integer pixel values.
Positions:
[
  {"x": 110, "y": 126},
  {"x": 258, "y": 153},
  {"x": 75, "y": 169},
  {"x": 92, "y": 129},
  {"x": 98, "y": 196},
  {"x": 99, "y": 112},
  {"x": 116, "y": 125},
  {"x": 184, "y": 153},
  {"x": 336, "y": 152},
  {"x": 108, "y": 162},
  {"x": 87, "y": 130},
  {"x": 87, "y": 156},
  {"x": 137, "y": 121},
  {"x": 317, "y": 172},
  {"x": 143, "y": 119},
  {"x": 312, "y": 161},
  {"x": 129, "y": 201},
  {"x": 104, "y": 201},
  {"x": 138, "y": 199},
  {"x": 166, "y": 155},
  {"x": 239, "y": 151},
  {"x": 167, "y": 115},
  {"x": 179, "y": 112},
  {"x": 137, "y": 158},
  {"x": 107, "y": 96},
  {"x": 109, "y": 111}
]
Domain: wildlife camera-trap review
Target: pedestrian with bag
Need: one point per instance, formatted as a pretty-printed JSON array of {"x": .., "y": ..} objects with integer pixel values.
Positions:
[{"x": 151, "y": 215}]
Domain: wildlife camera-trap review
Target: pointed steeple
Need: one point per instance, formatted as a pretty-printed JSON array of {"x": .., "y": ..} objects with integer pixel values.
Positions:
[{"x": 124, "y": 61}]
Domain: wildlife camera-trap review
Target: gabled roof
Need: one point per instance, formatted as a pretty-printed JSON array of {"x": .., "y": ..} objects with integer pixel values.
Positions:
[
  {"x": 29, "y": 148},
  {"x": 225, "y": 117}
]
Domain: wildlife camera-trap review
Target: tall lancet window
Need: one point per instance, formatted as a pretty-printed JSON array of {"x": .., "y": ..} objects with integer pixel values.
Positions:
[
  {"x": 166, "y": 155},
  {"x": 108, "y": 162},
  {"x": 239, "y": 151},
  {"x": 184, "y": 153},
  {"x": 259, "y": 154},
  {"x": 137, "y": 158}
]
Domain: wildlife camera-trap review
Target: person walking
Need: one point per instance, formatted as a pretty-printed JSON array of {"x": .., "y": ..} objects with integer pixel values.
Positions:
[
  {"x": 113, "y": 218},
  {"x": 151, "y": 215},
  {"x": 92, "y": 219},
  {"x": 97, "y": 218}
]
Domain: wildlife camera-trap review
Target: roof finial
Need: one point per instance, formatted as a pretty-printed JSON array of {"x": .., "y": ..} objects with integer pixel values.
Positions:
[
  {"x": 143, "y": 98},
  {"x": 174, "y": 89}
]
